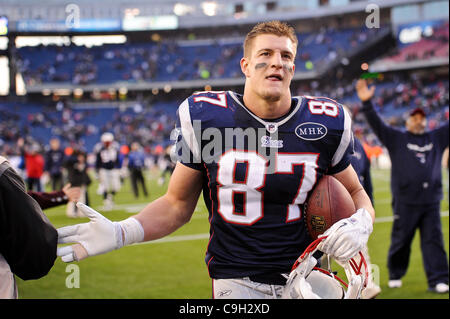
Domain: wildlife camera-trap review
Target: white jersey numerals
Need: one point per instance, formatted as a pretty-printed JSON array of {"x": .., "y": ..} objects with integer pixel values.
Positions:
[
  {"x": 285, "y": 165},
  {"x": 327, "y": 108},
  {"x": 251, "y": 188},
  {"x": 108, "y": 155},
  {"x": 220, "y": 100}
]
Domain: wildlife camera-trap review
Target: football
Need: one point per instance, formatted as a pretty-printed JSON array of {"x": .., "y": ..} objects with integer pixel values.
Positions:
[{"x": 327, "y": 203}]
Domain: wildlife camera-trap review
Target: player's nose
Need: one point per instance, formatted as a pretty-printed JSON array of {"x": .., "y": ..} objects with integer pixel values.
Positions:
[{"x": 276, "y": 60}]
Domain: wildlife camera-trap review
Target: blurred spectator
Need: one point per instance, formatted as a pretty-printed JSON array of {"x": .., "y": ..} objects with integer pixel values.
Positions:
[
  {"x": 54, "y": 158},
  {"x": 136, "y": 165},
  {"x": 165, "y": 164},
  {"x": 77, "y": 170},
  {"x": 34, "y": 165}
]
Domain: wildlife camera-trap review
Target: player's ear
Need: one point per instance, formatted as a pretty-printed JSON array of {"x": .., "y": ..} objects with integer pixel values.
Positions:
[{"x": 244, "y": 66}]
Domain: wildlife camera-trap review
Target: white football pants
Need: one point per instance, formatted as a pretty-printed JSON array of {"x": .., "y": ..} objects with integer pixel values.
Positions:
[
  {"x": 244, "y": 288},
  {"x": 109, "y": 180}
]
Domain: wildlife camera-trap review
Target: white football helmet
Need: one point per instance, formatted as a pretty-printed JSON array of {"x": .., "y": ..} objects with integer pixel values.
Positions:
[
  {"x": 306, "y": 281},
  {"x": 107, "y": 137}
]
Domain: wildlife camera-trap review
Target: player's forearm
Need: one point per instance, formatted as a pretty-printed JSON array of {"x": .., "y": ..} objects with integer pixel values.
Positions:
[
  {"x": 162, "y": 217},
  {"x": 350, "y": 180},
  {"x": 362, "y": 200}
]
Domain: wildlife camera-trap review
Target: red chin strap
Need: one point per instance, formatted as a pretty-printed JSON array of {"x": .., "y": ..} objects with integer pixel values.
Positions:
[{"x": 357, "y": 267}]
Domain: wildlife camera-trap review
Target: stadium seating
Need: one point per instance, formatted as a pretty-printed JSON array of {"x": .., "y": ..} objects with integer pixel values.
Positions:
[
  {"x": 169, "y": 60},
  {"x": 82, "y": 127},
  {"x": 435, "y": 45}
]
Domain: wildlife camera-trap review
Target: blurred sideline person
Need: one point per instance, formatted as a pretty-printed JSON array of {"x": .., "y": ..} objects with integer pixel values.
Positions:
[
  {"x": 166, "y": 165},
  {"x": 107, "y": 166},
  {"x": 136, "y": 164},
  {"x": 54, "y": 158},
  {"x": 28, "y": 241},
  {"x": 255, "y": 207},
  {"x": 416, "y": 185},
  {"x": 77, "y": 175},
  {"x": 34, "y": 164}
]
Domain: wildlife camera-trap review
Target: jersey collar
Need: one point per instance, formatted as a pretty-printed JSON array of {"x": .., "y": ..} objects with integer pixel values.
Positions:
[{"x": 271, "y": 126}]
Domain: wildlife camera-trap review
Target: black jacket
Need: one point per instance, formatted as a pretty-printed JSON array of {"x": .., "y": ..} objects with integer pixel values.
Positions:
[
  {"x": 77, "y": 172},
  {"x": 28, "y": 240}
]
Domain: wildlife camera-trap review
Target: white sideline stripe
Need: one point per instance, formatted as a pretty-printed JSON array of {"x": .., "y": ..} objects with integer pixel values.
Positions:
[
  {"x": 172, "y": 239},
  {"x": 388, "y": 219}
]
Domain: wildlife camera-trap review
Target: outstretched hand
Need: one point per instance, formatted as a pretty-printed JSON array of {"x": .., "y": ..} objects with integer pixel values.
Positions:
[
  {"x": 98, "y": 236},
  {"x": 364, "y": 92},
  {"x": 72, "y": 193}
]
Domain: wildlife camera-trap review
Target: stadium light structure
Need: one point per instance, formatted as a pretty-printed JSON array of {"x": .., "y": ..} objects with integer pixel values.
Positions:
[
  {"x": 181, "y": 9},
  {"x": 23, "y": 41},
  {"x": 209, "y": 8},
  {"x": 3, "y": 43},
  {"x": 167, "y": 88},
  {"x": 3, "y": 25},
  {"x": 93, "y": 40},
  {"x": 4, "y": 76}
]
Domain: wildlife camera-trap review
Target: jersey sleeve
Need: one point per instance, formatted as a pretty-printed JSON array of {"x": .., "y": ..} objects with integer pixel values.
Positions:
[
  {"x": 187, "y": 148},
  {"x": 49, "y": 199},
  {"x": 442, "y": 136},
  {"x": 344, "y": 152},
  {"x": 385, "y": 133}
]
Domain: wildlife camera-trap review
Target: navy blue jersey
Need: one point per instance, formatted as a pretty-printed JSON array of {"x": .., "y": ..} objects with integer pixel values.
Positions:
[
  {"x": 107, "y": 157},
  {"x": 54, "y": 161},
  {"x": 257, "y": 175},
  {"x": 361, "y": 164},
  {"x": 416, "y": 174}
]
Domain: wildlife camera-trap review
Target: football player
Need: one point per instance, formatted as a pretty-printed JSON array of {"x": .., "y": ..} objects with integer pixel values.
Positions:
[
  {"x": 256, "y": 157},
  {"x": 107, "y": 165}
]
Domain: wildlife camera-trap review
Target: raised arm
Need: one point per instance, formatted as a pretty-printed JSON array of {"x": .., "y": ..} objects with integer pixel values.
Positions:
[{"x": 383, "y": 131}]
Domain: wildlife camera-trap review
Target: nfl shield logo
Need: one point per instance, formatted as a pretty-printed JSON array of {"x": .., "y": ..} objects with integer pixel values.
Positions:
[
  {"x": 318, "y": 223},
  {"x": 271, "y": 127}
]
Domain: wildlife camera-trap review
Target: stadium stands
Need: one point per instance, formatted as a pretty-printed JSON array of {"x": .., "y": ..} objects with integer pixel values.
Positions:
[
  {"x": 433, "y": 45},
  {"x": 170, "y": 60},
  {"x": 82, "y": 127}
]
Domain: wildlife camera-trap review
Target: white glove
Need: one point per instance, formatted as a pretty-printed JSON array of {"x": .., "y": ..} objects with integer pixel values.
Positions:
[
  {"x": 348, "y": 236},
  {"x": 98, "y": 236}
]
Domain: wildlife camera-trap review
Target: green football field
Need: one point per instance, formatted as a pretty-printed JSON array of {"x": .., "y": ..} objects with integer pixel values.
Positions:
[{"x": 174, "y": 267}]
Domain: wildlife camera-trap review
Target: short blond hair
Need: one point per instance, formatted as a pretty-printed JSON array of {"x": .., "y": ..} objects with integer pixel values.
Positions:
[{"x": 277, "y": 28}]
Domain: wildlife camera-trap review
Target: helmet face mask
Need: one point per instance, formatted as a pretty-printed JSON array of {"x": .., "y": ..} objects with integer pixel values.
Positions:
[{"x": 306, "y": 281}]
